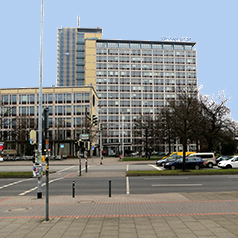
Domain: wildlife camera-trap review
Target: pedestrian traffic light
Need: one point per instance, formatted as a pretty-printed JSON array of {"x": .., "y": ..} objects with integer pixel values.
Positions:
[{"x": 94, "y": 120}]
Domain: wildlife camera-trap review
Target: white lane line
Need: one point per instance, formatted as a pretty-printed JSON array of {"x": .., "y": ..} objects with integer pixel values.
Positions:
[
  {"x": 66, "y": 169},
  {"x": 127, "y": 167},
  {"x": 127, "y": 186},
  {"x": 32, "y": 189},
  {"x": 11, "y": 184},
  {"x": 175, "y": 185},
  {"x": 156, "y": 167}
]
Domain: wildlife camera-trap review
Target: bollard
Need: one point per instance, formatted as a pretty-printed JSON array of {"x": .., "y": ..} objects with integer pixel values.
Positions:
[
  {"x": 73, "y": 189},
  {"x": 86, "y": 165},
  {"x": 110, "y": 188}
]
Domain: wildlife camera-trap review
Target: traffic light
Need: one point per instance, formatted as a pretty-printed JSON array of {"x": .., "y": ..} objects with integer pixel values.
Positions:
[{"x": 94, "y": 120}]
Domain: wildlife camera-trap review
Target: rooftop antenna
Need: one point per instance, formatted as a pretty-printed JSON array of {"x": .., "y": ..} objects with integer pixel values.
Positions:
[{"x": 78, "y": 21}]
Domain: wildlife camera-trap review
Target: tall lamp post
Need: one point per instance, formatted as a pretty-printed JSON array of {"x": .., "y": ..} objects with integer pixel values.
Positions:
[{"x": 39, "y": 160}]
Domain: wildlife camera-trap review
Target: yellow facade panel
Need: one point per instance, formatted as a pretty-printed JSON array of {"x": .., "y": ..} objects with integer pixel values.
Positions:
[
  {"x": 90, "y": 66},
  {"x": 90, "y": 58},
  {"x": 90, "y": 51}
]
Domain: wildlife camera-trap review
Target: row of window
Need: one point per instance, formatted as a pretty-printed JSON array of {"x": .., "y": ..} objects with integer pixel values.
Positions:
[
  {"x": 46, "y": 98},
  {"x": 142, "y": 88},
  {"x": 57, "y": 110},
  {"x": 155, "y": 74},
  {"x": 161, "y": 60},
  {"x": 146, "y": 52},
  {"x": 144, "y": 81},
  {"x": 166, "y": 67},
  {"x": 159, "y": 45}
]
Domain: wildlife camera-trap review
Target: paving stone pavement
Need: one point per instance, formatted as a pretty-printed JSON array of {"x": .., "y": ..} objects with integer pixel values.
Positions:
[{"x": 156, "y": 215}]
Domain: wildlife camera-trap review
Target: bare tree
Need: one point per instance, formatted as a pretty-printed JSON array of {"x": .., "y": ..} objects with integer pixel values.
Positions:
[
  {"x": 184, "y": 117},
  {"x": 215, "y": 120},
  {"x": 143, "y": 131}
]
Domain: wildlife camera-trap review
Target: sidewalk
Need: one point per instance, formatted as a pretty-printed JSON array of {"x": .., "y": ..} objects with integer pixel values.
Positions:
[{"x": 157, "y": 215}]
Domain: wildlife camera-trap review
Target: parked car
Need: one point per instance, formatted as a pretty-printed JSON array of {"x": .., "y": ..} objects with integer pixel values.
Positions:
[
  {"x": 229, "y": 164},
  {"x": 191, "y": 163},
  {"x": 162, "y": 162},
  {"x": 223, "y": 157},
  {"x": 208, "y": 157}
]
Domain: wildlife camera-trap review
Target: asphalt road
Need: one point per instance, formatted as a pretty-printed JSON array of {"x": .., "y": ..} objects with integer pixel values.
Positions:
[{"x": 96, "y": 182}]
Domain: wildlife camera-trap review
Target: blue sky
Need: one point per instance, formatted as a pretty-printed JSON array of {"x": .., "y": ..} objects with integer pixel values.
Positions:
[{"x": 211, "y": 23}]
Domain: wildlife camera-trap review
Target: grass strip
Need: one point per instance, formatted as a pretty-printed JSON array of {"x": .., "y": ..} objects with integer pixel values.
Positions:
[
  {"x": 180, "y": 172},
  {"x": 16, "y": 174}
]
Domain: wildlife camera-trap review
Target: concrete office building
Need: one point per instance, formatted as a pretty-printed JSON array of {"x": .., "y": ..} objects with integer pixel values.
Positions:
[
  {"x": 67, "y": 106},
  {"x": 131, "y": 77}
]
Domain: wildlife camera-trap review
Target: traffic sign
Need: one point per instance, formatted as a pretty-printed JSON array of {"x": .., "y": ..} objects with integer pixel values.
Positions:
[{"x": 84, "y": 136}]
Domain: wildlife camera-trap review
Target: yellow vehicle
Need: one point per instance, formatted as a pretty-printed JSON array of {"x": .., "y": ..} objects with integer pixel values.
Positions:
[{"x": 174, "y": 154}]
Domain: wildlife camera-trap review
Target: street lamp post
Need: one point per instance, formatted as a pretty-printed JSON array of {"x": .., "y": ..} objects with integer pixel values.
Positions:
[{"x": 39, "y": 160}]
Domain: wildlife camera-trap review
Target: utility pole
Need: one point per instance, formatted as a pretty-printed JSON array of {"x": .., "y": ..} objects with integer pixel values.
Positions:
[{"x": 39, "y": 159}]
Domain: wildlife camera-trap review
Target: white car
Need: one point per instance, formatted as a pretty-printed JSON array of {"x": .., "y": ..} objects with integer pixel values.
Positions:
[
  {"x": 229, "y": 164},
  {"x": 1, "y": 159}
]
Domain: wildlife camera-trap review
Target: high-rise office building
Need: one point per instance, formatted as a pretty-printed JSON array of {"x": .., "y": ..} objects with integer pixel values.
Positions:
[
  {"x": 131, "y": 77},
  {"x": 70, "y": 54}
]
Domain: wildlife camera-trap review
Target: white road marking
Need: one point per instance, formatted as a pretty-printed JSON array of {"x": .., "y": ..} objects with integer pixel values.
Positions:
[
  {"x": 66, "y": 169},
  {"x": 174, "y": 185},
  {"x": 32, "y": 189},
  {"x": 156, "y": 167},
  {"x": 10, "y": 184},
  {"x": 127, "y": 167},
  {"x": 127, "y": 186}
]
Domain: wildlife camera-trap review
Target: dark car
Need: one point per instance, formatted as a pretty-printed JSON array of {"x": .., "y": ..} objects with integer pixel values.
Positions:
[
  {"x": 223, "y": 157},
  {"x": 191, "y": 163},
  {"x": 162, "y": 162}
]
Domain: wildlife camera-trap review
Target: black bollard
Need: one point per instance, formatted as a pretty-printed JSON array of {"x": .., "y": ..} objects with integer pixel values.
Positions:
[
  {"x": 73, "y": 189},
  {"x": 110, "y": 188},
  {"x": 86, "y": 165}
]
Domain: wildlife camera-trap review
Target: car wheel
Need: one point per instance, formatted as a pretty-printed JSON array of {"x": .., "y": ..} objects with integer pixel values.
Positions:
[
  {"x": 228, "y": 166},
  {"x": 196, "y": 167},
  {"x": 172, "y": 167},
  {"x": 210, "y": 165}
]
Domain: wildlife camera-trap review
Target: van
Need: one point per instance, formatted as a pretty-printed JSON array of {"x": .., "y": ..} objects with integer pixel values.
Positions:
[
  {"x": 209, "y": 158},
  {"x": 174, "y": 154},
  {"x": 172, "y": 157}
]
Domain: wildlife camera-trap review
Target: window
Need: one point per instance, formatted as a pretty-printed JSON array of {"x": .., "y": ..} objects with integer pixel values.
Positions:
[
  {"x": 123, "y": 45},
  {"x": 146, "y": 46},
  {"x": 135, "y": 66},
  {"x": 158, "y": 60},
  {"x": 112, "y": 45},
  {"x": 168, "y": 60},
  {"x": 101, "y": 51},
  {"x": 167, "y": 47},
  {"x": 178, "y": 47},
  {"x": 132, "y": 45},
  {"x": 124, "y": 59},
  {"x": 124, "y": 52},
  {"x": 135, "y": 52},
  {"x": 112, "y": 52},
  {"x": 146, "y": 59},
  {"x": 101, "y": 45},
  {"x": 112, "y": 58},
  {"x": 156, "y": 46},
  {"x": 158, "y": 67},
  {"x": 124, "y": 66}
]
